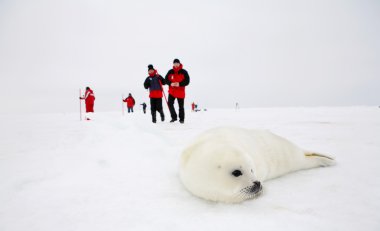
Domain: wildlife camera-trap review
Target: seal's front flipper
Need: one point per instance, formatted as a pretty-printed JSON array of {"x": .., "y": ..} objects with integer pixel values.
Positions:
[{"x": 320, "y": 159}]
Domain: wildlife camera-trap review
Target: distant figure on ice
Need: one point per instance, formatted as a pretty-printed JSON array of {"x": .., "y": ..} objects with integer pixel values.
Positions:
[
  {"x": 89, "y": 99},
  {"x": 193, "y": 106},
  {"x": 237, "y": 106},
  {"x": 130, "y": 102},
  {"x": 144, "y": 107},
  {"x": 154, "y": 82},
  {"x": 177, "y": 79}
]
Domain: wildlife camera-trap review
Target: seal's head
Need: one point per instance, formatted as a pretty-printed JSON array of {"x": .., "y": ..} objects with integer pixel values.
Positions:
[{"x": 219, "y": 172}]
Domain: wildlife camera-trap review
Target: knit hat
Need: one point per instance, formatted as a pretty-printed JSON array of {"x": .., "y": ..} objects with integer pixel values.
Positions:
[
  {"x": 150, "y": 67},
  {"x": 176, "y": 61}
]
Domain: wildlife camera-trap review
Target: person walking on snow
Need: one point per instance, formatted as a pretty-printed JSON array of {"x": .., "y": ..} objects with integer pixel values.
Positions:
[
  {"x": 154, "y": 82},
  {"x": 89, "y": 99},
  {"x": 130, "y": 102},
  {"x": 177, "y": 79},
  {"x": 144, "y": 107}
]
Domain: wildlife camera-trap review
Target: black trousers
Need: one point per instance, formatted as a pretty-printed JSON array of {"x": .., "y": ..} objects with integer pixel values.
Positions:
[
  {"x": 156, "y": 106},
  {"x": 173, "y": 113}
]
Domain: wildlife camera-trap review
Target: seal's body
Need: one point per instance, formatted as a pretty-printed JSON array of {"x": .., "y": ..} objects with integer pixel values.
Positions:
[{"x": 229, "y": 164}]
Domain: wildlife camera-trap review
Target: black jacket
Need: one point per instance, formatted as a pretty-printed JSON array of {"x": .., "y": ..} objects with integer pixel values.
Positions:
[{"x": 153, "y": 82}]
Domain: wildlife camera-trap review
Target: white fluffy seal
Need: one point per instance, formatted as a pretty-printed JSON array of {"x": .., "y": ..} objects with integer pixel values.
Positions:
[{"x": 229, "y": 164}]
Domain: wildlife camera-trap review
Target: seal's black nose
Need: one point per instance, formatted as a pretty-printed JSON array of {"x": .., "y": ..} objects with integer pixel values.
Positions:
[
  {"x": 257, "y": 183},
  {"x": 256, "y": 186}
]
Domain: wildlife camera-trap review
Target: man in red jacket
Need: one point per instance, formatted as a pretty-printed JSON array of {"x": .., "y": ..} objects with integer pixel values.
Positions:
[
  {"x": 89, "y": 99},
  {"x": 154, "y": 82},
  {"x": 177, "y": 79},
  {"x": 130, "y": 102}
]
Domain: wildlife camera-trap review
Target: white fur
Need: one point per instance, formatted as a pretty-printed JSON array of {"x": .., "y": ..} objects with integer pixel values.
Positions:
[{"x": 207, "y": 164}]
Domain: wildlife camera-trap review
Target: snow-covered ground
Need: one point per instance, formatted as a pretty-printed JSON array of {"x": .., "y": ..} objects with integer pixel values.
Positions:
[{"x": 121, "y": 173}]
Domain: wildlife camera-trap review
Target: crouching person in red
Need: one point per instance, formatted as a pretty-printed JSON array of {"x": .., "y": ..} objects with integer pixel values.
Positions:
[
  {"x": 130, "y": 102},
  {"x": 89, "y": 99},
  {"x": 154, "y": 82}
]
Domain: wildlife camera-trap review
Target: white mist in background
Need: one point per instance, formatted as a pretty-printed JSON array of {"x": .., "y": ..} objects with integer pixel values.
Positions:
[{"x": 257, "y": 53}]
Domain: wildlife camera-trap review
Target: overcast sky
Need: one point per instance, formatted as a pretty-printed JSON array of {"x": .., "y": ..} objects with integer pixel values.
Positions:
[{"x": 257, "y": 53}]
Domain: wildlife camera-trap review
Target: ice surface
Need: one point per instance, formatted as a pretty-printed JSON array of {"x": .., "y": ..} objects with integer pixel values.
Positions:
[{"x": 121, "y": 173}]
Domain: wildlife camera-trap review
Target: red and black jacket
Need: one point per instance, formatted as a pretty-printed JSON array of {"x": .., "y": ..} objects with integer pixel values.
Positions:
[
  {"x": 177, "y": 75},
  {"x": 154, "y": 82}
]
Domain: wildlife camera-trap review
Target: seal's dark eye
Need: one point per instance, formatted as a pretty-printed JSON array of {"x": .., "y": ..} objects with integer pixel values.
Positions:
[{"x": 237, "y": 173}]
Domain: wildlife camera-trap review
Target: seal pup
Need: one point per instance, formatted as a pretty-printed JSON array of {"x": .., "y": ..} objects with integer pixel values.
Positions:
[{"x": 229, "y": 164}]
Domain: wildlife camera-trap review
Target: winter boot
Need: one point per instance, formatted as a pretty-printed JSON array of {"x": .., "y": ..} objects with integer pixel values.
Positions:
[{"x": 162, "y": 115}]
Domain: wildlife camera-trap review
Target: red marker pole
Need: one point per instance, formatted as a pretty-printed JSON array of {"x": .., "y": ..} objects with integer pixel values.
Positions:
[
  {"x": 162, "y": 89},
  {"x": 80, "y": 104},
  {"x": 122, "y": 104}
]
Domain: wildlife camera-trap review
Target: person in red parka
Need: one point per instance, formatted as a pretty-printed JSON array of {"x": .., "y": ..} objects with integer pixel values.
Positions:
[
  {"x": 154, "y": 82},
  {"x": 177, "y": 79},
  {"x": 130, "y": 102},
  {"x": 89, "y": 99}
]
